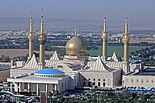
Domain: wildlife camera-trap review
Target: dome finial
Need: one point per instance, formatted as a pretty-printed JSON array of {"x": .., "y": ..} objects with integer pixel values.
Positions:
[{"x": 75, "y": 32}]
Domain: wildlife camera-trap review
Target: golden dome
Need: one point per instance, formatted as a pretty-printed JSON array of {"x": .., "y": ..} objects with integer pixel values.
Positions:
[
  {"x": 75, "y": 46},
  {"x": 126, "y": 39}
]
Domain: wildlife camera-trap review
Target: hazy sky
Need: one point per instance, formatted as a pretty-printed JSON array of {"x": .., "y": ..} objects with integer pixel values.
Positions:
[{"x": 80, "y": 9}]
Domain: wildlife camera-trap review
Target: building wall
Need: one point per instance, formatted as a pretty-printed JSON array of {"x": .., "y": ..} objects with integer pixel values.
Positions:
[
  {"x": 138, "y": 81},
  {"x": 64, "y": 84},
  {"x": 4, "y": 74},
  {"x": 100, "y": 79},
  {"x": 117, "y": 78}
]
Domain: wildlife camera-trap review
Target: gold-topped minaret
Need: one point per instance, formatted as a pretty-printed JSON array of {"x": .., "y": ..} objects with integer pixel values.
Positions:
[
  {"x": 126, "y": 40},
  {"x": 31, "y": 39},
  {"x": 42, "y": 40},
  {"x": 104, "y": 41}
]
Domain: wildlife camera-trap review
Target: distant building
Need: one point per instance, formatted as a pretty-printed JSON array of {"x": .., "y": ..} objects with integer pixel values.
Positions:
[{"x": 144, "y": 78}]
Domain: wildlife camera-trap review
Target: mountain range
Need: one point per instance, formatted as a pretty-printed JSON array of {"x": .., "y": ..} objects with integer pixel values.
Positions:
[{"x": 68, "y": 25}]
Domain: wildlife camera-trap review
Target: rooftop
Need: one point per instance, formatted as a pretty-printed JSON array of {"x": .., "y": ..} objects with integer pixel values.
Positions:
[{"x": 48, "y": 71}]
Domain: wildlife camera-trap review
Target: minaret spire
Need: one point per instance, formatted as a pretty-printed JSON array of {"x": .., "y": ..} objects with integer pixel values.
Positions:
[
  {"x": 126, "y": 26},
  {"x": 105, "y": 25},
  {"x": 41, "y": 26},
  {"x": 31, "y": 39},
  {"x": 126, "y": 40},
  {"x": 104, "y": 41},
  {"x": 31, "y": 24},
  {"x": 42, "y": 40},
  {"x": 31, "y": 27}
]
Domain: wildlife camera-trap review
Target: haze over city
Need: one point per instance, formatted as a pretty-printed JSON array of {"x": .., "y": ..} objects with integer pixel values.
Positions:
[{"x": 140, "y": 13}]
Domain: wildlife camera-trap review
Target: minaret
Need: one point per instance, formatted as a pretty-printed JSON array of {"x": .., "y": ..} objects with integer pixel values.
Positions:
[
  {"x": 31, "y": 39},
  {"x": 126, "y": 40},
  {"x": 104, "y": 41},
  {"x": 42, "y": 40}
]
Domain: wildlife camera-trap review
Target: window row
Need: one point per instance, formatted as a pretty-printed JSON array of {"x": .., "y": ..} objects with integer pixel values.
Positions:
[
  {"x": 94, "y": 79},
  {"x": 93, "y": 84},
  {"x": 49, "y": 75},
  {"x": 137, "y": 80}
]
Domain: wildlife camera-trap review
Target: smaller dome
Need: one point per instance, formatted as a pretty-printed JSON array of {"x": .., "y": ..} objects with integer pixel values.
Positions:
[{"x": 49, "y": 71}]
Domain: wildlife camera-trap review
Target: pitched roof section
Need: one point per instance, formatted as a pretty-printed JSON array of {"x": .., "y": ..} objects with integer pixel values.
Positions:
[
  {"x": 32, "y": 63},
  {"x": 55, "y": 56},
  {"x": 114, "y": 57},
  {"x": 99, "y": 65}
]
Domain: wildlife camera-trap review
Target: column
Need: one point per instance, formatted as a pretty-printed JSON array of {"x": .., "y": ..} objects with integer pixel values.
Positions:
[
  {"x": 55, "y": 87},
  {"x": 37, "y": 89},
  {"x": 46, "y": 88},
  {"x": 19, "y": 87},
  {"x": 10, "y": 86},
  {"x": 28, "y": 87},
  {"x": 16, "y": 87}
]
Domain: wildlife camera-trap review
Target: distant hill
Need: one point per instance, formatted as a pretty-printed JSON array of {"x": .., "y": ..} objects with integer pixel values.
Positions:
[{"x": 62, "y": 24}]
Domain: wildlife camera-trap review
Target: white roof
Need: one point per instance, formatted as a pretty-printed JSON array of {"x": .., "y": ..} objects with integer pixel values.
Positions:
[
  {"x": 34, "y": 79},
  {"x": 55, "y": 56},
  {"x": 114, "y": 57},
  {"x": 99, "y": 65},
  {"x": 32, "y": 63},
  {"x": 51, "y": 63}
]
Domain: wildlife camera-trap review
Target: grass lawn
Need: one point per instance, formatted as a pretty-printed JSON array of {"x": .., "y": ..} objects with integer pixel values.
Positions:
[{"x": 117, "y": 49}]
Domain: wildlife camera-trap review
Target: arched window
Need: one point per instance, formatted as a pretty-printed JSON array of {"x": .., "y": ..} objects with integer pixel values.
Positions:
[
  {"x": 83, "y": 83},
  {"x": 103, "y": 83},
  {"x": 93, "y": 83},
  {"x": 137, "y": 80},
  {"x": 98, "y": 83},
  {"x": 89, "y": 84}
]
